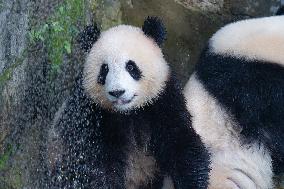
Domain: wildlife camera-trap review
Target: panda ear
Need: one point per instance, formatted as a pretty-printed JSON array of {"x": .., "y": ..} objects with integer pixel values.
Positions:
[
  {"x": 89, "y": 36},
  {"x": 153, "y": 27},
  {"x": 280, "y": 11}
]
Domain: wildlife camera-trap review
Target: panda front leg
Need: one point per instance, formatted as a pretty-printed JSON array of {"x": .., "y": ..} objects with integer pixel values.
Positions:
[
  {"x": 109, "y": 169},
  {"x": 187, "y": 162},
  {"x": 92, "y": 163},
  {"x": 187, "y": 174},
  {"x": 108, "y": 178},
  {"x": 91, "y": 166}
]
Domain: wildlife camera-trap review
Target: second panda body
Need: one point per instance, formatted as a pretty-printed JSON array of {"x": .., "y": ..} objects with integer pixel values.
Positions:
[{"x": 236, "y": 99}]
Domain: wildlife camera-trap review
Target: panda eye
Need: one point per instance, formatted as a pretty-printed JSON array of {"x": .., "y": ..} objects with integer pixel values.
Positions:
[
  {"x": 105, "y": 66},
  {"x": 103, "y": 73},
  {"x": 133, "y": 70}
]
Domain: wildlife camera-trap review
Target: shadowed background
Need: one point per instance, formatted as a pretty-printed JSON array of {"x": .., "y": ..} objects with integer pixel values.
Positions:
[{"x": 39, "y": 60}]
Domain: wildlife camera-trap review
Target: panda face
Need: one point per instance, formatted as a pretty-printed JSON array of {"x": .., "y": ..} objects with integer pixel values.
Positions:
[
  {"x": 125, "y": 69},
  {"x": 120, "y": 82}
]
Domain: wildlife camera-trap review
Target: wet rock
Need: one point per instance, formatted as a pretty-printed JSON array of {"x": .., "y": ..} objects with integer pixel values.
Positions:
[
  {"x": 13, "y": 28},
  {"x": 107, "y": 13},
  {"x": 29, "y": 97},
  {"x": 251, "y": 8},
  {"x": 203, "y": 5}
]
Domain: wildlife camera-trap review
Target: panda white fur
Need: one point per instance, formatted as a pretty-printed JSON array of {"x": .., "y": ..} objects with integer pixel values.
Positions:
[
  {"x": 126, "y": 124},
  {"x": 236, "y": 99}
]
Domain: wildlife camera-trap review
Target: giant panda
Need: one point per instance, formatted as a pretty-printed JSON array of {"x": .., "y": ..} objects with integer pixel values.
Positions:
[
  {"x": 126, "y": 125},
  {"x": 236, "y": 99}
]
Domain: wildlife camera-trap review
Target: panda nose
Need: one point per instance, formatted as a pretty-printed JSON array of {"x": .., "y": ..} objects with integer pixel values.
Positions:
[{"x": 117, "y": 93}]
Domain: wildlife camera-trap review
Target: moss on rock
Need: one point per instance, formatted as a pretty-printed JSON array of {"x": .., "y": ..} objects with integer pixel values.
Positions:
[{"x": 60, "y": 29}]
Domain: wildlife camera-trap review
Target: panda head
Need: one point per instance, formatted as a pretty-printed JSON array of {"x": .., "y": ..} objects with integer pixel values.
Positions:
[{"x": 125, "y": 68}]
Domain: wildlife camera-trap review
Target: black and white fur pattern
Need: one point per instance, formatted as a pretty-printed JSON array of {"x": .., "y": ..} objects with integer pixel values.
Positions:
[
  {"x": 127, "y": 127},
  {"x": 236, "y": 99}
]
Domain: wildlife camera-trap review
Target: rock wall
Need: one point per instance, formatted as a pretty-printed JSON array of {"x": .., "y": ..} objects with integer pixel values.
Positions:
[
  {"x": 14, "y": 28},
  {"x": 40, "y": 58}
]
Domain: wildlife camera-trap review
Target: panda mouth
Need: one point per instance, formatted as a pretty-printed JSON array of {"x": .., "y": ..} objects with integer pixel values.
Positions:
[{"x": 123, "y": 101}]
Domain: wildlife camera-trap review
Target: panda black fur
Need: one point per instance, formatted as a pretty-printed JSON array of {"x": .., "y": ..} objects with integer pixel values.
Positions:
[
  {"x": 114, "y": 138},
  {"x": 236, "y": 99}
]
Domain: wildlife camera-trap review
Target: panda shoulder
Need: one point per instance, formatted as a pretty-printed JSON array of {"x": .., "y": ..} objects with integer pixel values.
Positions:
[{"x": 253, "y": 39}]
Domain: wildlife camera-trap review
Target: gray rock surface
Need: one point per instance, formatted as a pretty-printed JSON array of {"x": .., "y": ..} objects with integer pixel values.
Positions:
[{"x": 203, "y": 5}]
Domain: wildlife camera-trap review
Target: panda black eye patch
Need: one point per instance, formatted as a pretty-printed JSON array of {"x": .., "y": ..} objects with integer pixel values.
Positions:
[
  {"x": 103, "y": 73},
  {"x": 133, "y": 70}
]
